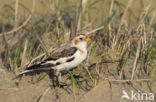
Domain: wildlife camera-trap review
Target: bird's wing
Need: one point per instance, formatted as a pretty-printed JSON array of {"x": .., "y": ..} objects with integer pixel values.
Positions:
[{"x": 63, "y": 51}]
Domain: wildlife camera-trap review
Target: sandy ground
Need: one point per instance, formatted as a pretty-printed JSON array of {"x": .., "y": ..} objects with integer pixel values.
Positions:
[{"x": 25, "y": 91}]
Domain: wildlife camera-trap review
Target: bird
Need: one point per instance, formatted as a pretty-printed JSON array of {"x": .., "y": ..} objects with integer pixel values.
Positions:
[{"x": 65, "y": 57}]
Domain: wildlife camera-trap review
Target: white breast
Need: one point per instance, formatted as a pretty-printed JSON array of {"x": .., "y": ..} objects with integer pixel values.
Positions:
[{"x": 77, "y": 60}]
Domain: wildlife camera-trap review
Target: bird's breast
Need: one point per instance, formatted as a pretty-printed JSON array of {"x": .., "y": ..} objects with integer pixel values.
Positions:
[{"x": 73, "y": 61}]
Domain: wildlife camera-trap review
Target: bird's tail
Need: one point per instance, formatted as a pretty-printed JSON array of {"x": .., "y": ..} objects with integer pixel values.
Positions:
[
  {"x": 26, "y": 71},
  {"x": 20, "y": 74},
  {"x": 36, "y": 67}
]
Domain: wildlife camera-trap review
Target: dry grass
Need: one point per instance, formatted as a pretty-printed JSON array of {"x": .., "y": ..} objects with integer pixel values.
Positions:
[{"x": 118, "y": 36}]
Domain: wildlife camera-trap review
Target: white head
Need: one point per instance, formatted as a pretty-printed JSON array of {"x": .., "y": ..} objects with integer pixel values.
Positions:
[{"x": 80, "y": 41}]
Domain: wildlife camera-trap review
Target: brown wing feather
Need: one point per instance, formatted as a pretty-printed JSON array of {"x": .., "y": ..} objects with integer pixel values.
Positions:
[{"x": 64, "y": 53}]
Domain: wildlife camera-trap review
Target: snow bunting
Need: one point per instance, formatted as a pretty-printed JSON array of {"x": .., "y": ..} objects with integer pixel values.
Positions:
[{"x": 66, "y": 57}]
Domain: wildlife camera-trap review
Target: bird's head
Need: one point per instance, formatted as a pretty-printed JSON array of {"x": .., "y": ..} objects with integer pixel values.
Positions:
[{"x": 80, "y": 41}]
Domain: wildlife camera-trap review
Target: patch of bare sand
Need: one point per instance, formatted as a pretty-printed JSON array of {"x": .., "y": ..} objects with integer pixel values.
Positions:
[{"x": 26, "y": 91}]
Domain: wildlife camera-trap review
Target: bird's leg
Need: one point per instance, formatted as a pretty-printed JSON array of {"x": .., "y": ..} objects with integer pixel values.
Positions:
[
  {"x": 57, "y": 81},
  {"x": 59, "y": 78},
  {"x": 56, "y": 73}
]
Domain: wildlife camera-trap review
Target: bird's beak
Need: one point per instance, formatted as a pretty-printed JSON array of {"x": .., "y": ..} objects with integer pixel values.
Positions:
[{"x": 87, "y": 39}]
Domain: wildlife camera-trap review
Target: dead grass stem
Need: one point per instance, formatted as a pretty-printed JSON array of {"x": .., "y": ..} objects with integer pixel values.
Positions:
[{"x": 22, "y": 25}]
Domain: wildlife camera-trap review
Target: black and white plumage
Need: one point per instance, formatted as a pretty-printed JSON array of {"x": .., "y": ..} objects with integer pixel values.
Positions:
[{"x": 66, "y": 57}]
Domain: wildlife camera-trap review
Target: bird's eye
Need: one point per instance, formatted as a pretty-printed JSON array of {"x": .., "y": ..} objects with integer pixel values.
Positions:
[{"x": 81, "y": 38}]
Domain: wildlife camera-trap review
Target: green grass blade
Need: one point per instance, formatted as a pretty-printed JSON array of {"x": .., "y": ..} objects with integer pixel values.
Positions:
[
  {"x": 41, "y": 77},
  {"x": 73, "y": 83}
]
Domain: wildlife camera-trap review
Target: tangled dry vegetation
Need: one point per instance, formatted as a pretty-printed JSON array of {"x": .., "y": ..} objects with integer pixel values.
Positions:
[{"x": 122, "y": 48}]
